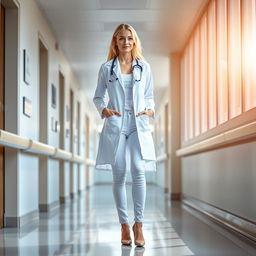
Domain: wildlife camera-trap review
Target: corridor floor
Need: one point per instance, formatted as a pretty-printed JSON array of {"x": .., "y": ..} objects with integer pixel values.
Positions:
[{"x": 89, "y": 226}]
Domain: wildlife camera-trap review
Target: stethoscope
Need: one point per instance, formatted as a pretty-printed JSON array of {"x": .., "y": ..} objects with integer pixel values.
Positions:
[{"x": 137, "y": 65}]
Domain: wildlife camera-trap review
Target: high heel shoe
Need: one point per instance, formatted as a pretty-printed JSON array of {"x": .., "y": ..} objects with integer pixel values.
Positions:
[
  {"x": 138, "y": 234},
  {"x": 126, "y": 238}
]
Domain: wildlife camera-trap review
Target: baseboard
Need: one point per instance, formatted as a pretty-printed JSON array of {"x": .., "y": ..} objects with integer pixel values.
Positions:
[
  {"x": 175, "y": 196},
  {"x": 48, "y": 207},
  {"x": 127, "y": 182},
  {"x": 28, "y": 218},
  {"x": 81, "y": 192},
  {"x": 65, "y": 199},
  {"x": 73, "y": 195},
  {"x": 229, "y": 220},
  {"x": 105, "y": 183}
]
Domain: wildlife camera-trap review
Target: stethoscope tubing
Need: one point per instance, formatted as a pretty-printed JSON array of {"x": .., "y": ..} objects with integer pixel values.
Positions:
[{"x": 136, "y": 65}]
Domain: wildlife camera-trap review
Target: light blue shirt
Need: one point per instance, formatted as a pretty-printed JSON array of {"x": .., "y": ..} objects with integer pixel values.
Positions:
[{"x": 127, "y": 80}]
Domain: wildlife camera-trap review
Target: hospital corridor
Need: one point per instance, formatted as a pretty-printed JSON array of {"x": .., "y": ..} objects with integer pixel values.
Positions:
[{"x": 128, "y": 128}]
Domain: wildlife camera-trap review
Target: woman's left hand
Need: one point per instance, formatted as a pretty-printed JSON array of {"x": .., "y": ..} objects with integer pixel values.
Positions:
[{"x": 147, "y": 112}]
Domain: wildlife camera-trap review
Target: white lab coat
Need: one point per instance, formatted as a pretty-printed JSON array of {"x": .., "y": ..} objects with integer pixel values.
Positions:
[{"x": 142, "y": 99}]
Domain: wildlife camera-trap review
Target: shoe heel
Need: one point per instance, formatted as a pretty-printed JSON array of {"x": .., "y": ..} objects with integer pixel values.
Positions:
[
  {"x": 124, "y": 229},
  {"x": 137, "y": 227}
]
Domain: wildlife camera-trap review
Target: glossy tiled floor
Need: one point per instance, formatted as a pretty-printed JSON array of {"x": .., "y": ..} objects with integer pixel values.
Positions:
[{"x": 89, "y": 226}]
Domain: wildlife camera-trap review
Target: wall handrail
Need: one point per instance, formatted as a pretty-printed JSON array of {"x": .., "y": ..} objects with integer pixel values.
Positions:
[
  {"x": 62, "y": 154},
  {"x": 12, "y": 140},
  {"x": 161, "y": 158},
  {"x": 78, "y": 159},
  {"x": 40, "y": 148},
  {"x": 240, "y": 133},
  {"x": 89, "y": 161}
]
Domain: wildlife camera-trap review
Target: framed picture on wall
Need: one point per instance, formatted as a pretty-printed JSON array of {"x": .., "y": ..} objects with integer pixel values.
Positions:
[
  {"x": 53, "y": 96},
  {"x": 57, "y": 126},
  {"x": 26, "y": 67},
  {"x": 67, "y": 113},
  {"x": 67, "y": 132},
  {"x": 52, "y": 124},
  {"x": 27, "y": 107}
]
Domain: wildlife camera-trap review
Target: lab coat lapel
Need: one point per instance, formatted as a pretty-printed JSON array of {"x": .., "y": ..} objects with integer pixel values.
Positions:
[
  {"x": 136, "y": 74},
  {"x": 117, "y": 71}
]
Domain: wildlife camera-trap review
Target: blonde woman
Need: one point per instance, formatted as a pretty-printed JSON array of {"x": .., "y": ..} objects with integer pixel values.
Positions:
[{"x": 126, "y": 143}]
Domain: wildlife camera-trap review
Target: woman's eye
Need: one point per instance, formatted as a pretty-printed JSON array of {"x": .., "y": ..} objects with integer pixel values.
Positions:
[{"x": 122, "y": 38}]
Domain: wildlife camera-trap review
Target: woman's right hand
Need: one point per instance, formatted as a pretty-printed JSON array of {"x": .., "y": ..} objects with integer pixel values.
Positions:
[{"x": 110, "y": 112}]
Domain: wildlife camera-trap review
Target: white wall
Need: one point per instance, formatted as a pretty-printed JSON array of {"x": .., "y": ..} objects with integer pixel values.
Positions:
[{"x": 224, "y": 178}]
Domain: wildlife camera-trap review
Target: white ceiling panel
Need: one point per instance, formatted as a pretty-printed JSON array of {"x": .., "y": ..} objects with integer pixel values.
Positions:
[{"x": 123, "y": 4}]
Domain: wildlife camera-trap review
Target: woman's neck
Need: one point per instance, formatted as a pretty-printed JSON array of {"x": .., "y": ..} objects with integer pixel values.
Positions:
[{"x": 125, "y": 58}]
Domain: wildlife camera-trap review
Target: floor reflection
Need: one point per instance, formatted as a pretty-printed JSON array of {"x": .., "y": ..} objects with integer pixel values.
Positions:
[
  {"x": 138, "y": 251},
  {"x": 89, "y": 226}
]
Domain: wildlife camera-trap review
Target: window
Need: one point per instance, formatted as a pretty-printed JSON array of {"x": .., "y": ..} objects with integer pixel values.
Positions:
[{"x": 218, "y": 78}]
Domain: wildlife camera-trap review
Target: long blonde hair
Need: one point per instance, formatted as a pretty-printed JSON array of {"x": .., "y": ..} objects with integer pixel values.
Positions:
[{"x": 136, "y": 51}]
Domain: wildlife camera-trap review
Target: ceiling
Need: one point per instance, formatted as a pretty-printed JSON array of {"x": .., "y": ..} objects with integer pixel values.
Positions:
[{"x": 84, "y": 29}]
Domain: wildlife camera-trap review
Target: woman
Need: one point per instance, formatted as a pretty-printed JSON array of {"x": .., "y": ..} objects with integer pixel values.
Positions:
[{"x": 126, "y": 142}]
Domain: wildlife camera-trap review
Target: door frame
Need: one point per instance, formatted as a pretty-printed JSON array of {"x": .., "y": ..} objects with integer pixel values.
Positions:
[{"x": 2, "y": 104}]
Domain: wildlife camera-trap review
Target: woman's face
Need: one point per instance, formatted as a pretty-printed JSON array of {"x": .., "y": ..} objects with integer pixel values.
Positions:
[{"x": 124, "y": 41}]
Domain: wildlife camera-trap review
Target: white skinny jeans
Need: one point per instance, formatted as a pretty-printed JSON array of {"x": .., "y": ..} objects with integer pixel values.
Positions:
[{"x": 129, "y": 141}]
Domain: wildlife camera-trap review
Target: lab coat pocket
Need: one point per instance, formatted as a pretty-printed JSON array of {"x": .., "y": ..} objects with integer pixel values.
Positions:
[
  {"x": 144, "y": 123},
  {"x": 111, "y": 116},
  {"x": 113, "y": 124}
]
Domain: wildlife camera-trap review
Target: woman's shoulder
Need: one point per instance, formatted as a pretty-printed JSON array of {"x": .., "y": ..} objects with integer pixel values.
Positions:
[
  {"x": 105, "y": 66},
  {"x": 107, "y": 63}
]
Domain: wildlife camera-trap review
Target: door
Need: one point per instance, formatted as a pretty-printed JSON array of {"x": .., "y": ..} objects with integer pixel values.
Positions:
[
  {"x": 71, "y": 143},
  {"x": 62, "y": 133},
  {"x": 2, "y": 37},
  {"x": 43, "y": 121},
  {"x": 87, "y": 127}
]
